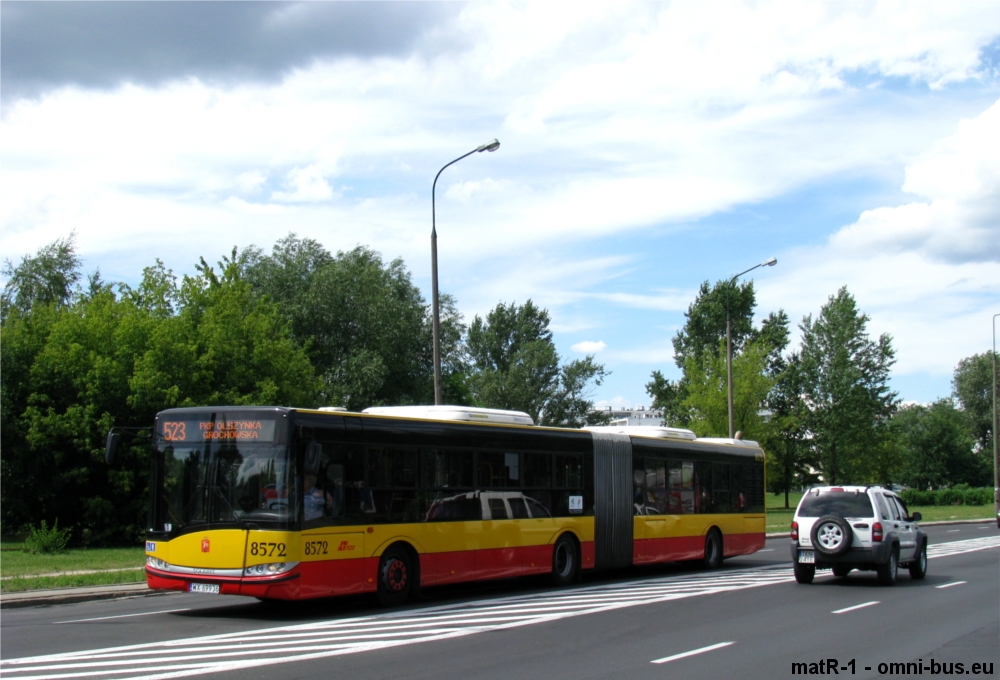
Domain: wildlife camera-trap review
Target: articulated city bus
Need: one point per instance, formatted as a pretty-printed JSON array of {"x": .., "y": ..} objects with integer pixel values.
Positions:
[{"x": 288, "y": 503}]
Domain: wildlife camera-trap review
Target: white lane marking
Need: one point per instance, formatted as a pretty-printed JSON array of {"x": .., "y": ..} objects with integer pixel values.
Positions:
[
  {"x": 692, "y": 652},
  {"x": 953, "y": 531},
  {"x": 857, "y": 606},
  {"x": 324, "y": 639},
  {"x": 949, "y": 585},
  {"x": 963, "y": 546},
  {"x": 766, "y": 550},
  {"x": 983, "y": 527},
  {"x": 121, "y": 616},
  {"x": 231, "y": 651}
]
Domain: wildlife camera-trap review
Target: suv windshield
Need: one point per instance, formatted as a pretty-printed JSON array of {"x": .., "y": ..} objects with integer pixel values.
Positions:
[{"x": 842, "y": 503}]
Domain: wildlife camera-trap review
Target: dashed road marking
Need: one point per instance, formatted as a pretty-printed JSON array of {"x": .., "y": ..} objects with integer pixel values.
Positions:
[
  {"x": 683, "y": 655},
  {"x": 949, "y": 585},
  {"x": 857, "y": 606}
]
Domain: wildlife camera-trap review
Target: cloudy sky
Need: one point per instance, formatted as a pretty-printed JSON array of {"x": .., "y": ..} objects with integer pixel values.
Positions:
[{"x": 645, "y": 148}]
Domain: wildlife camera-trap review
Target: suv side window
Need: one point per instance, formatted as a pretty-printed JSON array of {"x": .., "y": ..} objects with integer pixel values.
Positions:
[
  {"x": 893, "y": 508},
  {"x": 903, "y": 512},
  {"x": 883, "y": 507}
]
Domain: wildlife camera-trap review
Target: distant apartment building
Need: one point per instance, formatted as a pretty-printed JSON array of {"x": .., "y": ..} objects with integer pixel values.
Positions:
[{"x": 638, "y": 416}]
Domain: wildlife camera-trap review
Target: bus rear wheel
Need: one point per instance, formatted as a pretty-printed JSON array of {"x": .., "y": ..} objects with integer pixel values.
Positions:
[
  {"x": 565, "y": 561},
  {"x": 395, "y": 577},
  {"x": 713, "y": 550}
]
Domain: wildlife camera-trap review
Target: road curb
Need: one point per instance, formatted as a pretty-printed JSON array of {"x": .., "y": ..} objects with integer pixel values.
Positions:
[{"x": 44, "y": 598}]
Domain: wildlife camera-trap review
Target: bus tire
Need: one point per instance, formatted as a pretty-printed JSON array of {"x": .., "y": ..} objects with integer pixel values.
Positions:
[
  {"x": 713, "y": 550},
  {"x": 565, "y": 561},
  {"x": 395, "y": 576}
]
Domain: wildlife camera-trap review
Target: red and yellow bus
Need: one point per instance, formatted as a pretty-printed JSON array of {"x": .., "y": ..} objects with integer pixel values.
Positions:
[{"x": 287, "y": 503}]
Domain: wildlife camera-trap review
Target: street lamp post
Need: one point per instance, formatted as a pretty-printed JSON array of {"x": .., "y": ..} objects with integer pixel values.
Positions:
[
  {"x": 729, "y": 338},
  {"x": 996, "y": 451},
  {"x": 436, "y": 326}
]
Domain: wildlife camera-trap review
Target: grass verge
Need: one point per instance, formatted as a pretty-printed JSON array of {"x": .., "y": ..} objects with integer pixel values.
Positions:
[
  {"x": 21, "y": 584},
  {"x": 22, "y": 564},
  {"x": 780, "y": 519}
]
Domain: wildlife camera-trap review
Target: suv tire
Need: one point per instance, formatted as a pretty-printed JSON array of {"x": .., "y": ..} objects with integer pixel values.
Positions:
[
  {"x": 887, "y": 572},
  {"x": 831, "y": 535},
  {"x": 804, "y": 573},
  {"x": 918, "y": 567}
]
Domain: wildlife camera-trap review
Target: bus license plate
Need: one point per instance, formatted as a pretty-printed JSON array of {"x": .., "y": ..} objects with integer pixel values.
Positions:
[
  {"x": 204, "y": 588},
  {"x": 807, "y": 557}
]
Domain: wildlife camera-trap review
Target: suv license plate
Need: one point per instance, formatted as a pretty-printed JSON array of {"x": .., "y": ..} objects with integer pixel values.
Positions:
[
  {"x": 807, "y": 557},
  {"x": 204, "y": 588}
]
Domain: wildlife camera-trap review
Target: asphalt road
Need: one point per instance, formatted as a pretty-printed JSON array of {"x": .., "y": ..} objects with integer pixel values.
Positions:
[{"x": 747, "y": 620}]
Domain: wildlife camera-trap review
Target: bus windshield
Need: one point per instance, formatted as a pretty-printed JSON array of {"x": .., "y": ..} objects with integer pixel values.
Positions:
[{"x": 222, "y": 484}]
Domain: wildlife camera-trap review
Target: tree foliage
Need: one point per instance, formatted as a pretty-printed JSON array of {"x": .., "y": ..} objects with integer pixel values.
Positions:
[
  {"x": 75, "y": 366},
  {"x": 515, "y": 365},
  {"x": 364, "y": 324},
  {"x": 47, "y": 278},
  {"x": 937, "y": 447},
  {"x": 845, "y": 385},
  {"x": 972, "y": 386}
]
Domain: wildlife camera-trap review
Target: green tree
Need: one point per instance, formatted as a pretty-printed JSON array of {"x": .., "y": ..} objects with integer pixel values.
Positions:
[
  {"x": 48, "y": 277},
  {"x": 515, "y": 365},
  {"x": 224, "y": 346},
  {"x": 937, "y": 448},
  {"x": 702, "y": 341},
  {"x": 364, "y": 324},
  {"x": 707, "y": 399},
  {"x": 74, "y": 368},
  {"x": 972, "y": 386},
  {"x": 845, "y": 385}
]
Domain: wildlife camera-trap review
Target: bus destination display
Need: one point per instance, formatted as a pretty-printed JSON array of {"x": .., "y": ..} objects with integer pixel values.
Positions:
[{"x": 251, "y": 429}]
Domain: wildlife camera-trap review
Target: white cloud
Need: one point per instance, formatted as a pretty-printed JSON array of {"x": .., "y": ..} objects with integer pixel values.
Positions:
[
  {"x": 589, "y": 347},
  {"x": 927, "y": 272},
  {"x": 616, "y": 121},
  {"x": 305, "y": 185}
]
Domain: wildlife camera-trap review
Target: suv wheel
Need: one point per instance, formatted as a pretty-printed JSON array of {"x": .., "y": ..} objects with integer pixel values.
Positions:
[
  {"x": 887, "y": 572},
  {"x": 831, "y": 535},
  {"x": 918, "y": 567},
  {"x": 804, "y": 573}
]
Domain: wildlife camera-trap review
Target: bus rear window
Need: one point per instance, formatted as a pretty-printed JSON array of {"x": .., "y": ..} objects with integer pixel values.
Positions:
[{"x": 843, "y": 503}]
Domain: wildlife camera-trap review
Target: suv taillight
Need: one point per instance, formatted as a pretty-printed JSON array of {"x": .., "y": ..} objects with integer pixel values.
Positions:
[
  {"x": 877, "y": 532},
  {"x": 795, "y": 531}
]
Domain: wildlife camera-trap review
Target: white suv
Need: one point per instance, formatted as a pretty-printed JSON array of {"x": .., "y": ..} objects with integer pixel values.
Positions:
[{"x": 856, "y": 527}]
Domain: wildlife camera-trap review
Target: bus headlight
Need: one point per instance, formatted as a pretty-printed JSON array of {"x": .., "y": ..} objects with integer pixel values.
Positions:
[
  {"x": 271, "y": 569},
  {"x": 157, "y": 563}
]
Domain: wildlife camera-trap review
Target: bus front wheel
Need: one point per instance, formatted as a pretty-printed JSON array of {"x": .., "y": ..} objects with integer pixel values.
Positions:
[
  {"x": 565, "y": 561},
  {"x": 395, "y": 577}
]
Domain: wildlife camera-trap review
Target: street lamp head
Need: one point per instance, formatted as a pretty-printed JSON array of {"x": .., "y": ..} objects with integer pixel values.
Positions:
[
  {"x": 489, "y": 146},
  {"x": 770, "y": 262}
]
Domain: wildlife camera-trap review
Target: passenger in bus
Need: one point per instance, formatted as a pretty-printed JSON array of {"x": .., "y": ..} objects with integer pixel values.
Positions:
[{"x": 315, "y": 501}]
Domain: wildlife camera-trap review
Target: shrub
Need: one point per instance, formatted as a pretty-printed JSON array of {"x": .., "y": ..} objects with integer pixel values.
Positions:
[
  {"x": 948, "y": 497},
  {"x": 44, "y": 539},
  {"x": 978, "y": 496},
  {"x": 916, "y": 497}
]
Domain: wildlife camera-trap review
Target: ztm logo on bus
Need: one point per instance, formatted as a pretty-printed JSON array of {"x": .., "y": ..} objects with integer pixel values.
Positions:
[
  {"x": 205, "y": 545},
  {"x": 345, "y": 545}
]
